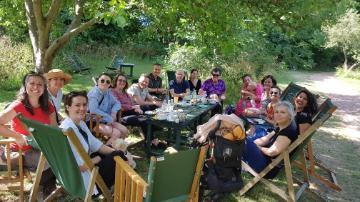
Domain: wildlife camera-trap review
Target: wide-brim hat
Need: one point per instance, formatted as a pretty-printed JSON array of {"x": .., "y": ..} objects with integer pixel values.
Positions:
[{"x": 58, "y": 73}]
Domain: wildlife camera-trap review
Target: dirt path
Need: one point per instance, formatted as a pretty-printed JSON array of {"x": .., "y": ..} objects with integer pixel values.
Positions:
[{"x": 338, "y": 142}]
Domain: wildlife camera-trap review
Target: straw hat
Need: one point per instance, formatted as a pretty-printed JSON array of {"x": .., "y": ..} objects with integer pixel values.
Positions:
[{"x": 58, "y": 73}]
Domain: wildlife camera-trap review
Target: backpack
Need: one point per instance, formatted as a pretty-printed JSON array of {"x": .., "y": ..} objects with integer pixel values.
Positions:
[{"x": 222, "y": 172}]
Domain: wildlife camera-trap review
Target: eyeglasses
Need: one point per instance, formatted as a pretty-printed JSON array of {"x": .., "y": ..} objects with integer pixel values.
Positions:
[
  {"x": 103, "y": 81},
  {"x": 215, "y": 75},
  {"x": 273, "y": 93},
  {"x": 121, "y": 80}
]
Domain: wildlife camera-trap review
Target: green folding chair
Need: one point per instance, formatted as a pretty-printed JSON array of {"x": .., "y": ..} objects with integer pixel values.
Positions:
[
  {"x": 55, "y": 148},
  {"x": 77, "y": 65},
  {"x": 290, "y": 92},
  {"x": 325, "y": 106},
  {"x": 118, "y": 65},
  {"x": 175, "y": 177},
  {"x": 297, "y": 148}
]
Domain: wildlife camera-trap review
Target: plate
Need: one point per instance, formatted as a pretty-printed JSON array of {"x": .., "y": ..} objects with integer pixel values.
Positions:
[{"x": 149, "y": 112}]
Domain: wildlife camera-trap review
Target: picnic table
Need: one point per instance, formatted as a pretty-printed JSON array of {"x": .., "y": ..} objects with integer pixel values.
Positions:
[{"x": 194, "y": 114}]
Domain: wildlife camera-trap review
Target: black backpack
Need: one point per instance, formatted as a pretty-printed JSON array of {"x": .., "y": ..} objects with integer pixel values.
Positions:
[{"x": 222, "y": 173}]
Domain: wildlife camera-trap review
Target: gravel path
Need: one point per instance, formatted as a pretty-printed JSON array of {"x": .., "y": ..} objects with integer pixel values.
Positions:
[{"x": 338, "y": 142}]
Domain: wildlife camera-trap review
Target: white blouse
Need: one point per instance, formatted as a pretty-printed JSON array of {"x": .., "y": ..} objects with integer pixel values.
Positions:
[
  {"x": 56, "y": 101},
  {"x": 93, "y": 146}
]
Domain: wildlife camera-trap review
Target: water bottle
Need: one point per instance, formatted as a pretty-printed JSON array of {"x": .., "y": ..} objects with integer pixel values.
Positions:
[{"x": 193, "y": 94}]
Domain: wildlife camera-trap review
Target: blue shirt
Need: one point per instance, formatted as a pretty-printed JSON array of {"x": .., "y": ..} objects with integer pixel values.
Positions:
[
  {"x": 179, "y": 87},
  {"x": 108, "y": 105}
]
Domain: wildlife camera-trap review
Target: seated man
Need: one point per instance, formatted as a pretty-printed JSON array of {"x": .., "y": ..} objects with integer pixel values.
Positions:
[
  {"x": 179, "y": 87},
  {"x": 214, "y": 88},
  {"x": 155, "y": 82},
  {"x": 140, "y": 94}
]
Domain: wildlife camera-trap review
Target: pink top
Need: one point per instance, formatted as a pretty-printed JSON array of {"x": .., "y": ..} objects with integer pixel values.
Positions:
[
  {"x": 39, "y": 115},
  {"x": 123, "y": 98},
  {"x": 258, "y": 92},
  {"x": 244, "y": 104}
]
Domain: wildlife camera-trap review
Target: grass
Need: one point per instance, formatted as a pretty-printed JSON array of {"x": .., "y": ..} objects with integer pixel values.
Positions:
[{"x": 348, "y": 172}]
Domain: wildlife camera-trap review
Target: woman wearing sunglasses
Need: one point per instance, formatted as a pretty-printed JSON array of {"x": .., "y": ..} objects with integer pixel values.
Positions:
[
  {"x": 103, "y": 103},
  {"x": 274, "y": 93},
  {"x": 305, "y": 107}
]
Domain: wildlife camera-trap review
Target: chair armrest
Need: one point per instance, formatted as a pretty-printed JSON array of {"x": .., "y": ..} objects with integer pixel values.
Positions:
[{"x": 7, "y": 141}]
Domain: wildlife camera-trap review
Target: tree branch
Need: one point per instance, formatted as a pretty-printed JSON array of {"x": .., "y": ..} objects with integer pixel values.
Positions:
[
  {"x": 52, "y": 13},
  {"x": 38, "y": 14},
  {"x": 353, "y": 66},
  {"x": 79, "y": 8},
  {"x": 61, "y": 41}
]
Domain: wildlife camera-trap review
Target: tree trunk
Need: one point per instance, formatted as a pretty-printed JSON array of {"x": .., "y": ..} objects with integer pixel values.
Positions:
[
  {"x": 345, "y": 65},
  {"x": 40, "y": 27}
]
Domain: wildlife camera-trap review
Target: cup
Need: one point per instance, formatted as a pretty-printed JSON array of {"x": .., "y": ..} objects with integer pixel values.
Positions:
[{"x": 176, "y": 100}]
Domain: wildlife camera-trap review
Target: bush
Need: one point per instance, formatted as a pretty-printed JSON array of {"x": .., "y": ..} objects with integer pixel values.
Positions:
[
  {"x": 15, "y": 61},
  {"x": 353, "y": 74}
]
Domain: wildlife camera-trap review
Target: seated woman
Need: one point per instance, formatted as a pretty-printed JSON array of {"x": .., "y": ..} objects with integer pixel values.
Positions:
[
  {"x": 267, "y": 82},
  {"x": 247, "y": 106},
  {"x": 259, "y": 152},
  {"x": 103, "y": 103},
  {"x": 33, "y": 103},
  {"x": 102, "y": 155},
  {"x": 56, "y": 79},
  {"x": 305, "y": 107},
  {"x": 255, "y": 94},
  {"x": 194, "y": 81},
  {"x": 275, "y": 93}
]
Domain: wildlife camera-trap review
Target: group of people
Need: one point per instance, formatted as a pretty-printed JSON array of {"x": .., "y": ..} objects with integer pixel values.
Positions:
[
  {"x": 289, "y": 120},
  {"x": 120, "y": 104},
  {"x": 117, "y": 103}
]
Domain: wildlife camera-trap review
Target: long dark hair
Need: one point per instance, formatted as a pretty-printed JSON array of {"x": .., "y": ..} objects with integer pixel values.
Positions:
[
  {"x": 116, "y": 78},
  {"x": 311, "y": 107},
  {"x": 269, "y": 77},
  {"x": 23, "y": 97}
]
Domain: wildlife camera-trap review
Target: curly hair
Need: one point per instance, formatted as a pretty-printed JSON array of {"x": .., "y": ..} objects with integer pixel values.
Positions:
[
  {"x": 269, "y": 77},
  {"x": 23, "y": 96},
  {"x": 312, "y": 105}
]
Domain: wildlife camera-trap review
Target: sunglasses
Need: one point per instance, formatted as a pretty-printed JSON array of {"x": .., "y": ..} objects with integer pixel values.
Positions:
[
  {"x": 215, "y": 75},
  {"x": 121, "y": 80},
  {"x": 273, "y": 93},
  {"x": 103, "y": 81}
]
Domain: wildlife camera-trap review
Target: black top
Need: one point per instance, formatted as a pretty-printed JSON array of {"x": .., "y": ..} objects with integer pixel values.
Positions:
[
  {"x": 291, "y": 132},
  {"x": 154, "y": 82},
  {"x": 302, "y": 118},
  {"x": 197, "y": 87}
]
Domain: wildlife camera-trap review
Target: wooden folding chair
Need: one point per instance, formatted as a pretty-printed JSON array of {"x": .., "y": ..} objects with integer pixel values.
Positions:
[
  {"x": 297, "y": 146},
  {"x": 94, "y": 124},
  {"x": 325, "y": 107},
  {"x": 55, "y": 148},
  {"x": 175, "y": 177},
  {"x": 11, "y": 178}
]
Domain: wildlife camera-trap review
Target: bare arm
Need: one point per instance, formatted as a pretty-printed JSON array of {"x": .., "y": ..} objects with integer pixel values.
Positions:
[
  {"x": 141, "y": 102},
  {"x": 5, "y": 117},
  {"x": 173, "y": 94},
  {"x": 280, "y": 144},
  {"x": 303, "y": 127},
  {"x": 264, "y": 140}
]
